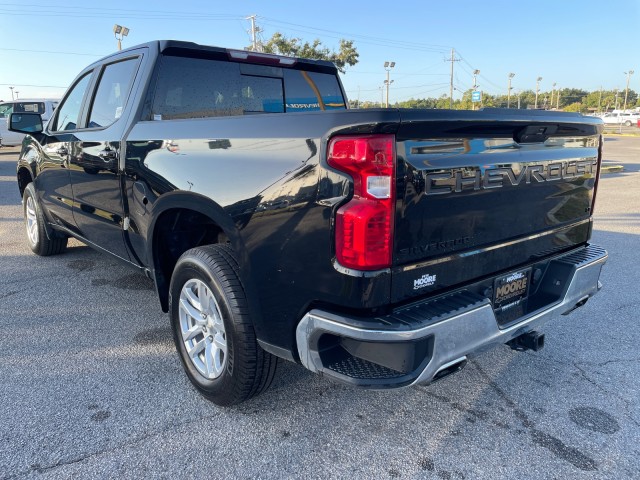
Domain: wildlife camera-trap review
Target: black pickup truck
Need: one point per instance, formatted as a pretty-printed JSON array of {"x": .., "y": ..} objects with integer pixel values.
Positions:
[{"x": 377, "y": 247}]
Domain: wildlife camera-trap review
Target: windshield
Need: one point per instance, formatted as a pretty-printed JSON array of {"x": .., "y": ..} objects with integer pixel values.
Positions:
[{"x": 6, "y": 109}]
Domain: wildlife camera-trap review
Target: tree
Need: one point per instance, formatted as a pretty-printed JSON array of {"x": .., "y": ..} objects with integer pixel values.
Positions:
[
  {"x": 347, "y": 55},
  {"x": 575, "y": 107}
]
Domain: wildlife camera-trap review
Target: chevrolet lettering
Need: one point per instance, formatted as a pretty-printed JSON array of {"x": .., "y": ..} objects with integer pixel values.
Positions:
[{"x": 458, "y": 180}]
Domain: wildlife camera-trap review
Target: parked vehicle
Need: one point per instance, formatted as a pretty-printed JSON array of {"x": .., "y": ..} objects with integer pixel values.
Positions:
[
  {"x": 379, "y": 248},
  {"x": 621, "y": 118},
  {"x": 42, "y": 106}
]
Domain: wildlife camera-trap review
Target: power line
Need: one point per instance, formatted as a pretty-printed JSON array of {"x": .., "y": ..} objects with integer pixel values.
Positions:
[
  {"x": 62, "y": 8},
  {"x": 397, "y": 88},
  {"x": 24, "y": 85},
  {"x": 400, "y": 76},
  {"x": 387, "y": 41},
  {"x": 51, "y": 51}
]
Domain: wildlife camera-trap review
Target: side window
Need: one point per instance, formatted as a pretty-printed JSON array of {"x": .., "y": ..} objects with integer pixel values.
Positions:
[
  {"x": 69, "y": 111},
  {"x": 112, "y": 92},
  {"x": 312, "y": 91}
]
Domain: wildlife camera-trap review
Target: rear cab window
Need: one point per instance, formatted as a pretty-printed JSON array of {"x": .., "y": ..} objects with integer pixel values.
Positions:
[
  {"x": 29, "y": 107},
  {"x": 199, "y": 88}
]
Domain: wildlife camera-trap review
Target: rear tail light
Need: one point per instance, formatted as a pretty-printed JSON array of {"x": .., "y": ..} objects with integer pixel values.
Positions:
[{"x": 364, "y": 225}]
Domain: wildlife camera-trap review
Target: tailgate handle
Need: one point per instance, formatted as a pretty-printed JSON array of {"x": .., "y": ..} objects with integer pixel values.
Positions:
[{"x": 534, "y": 133}]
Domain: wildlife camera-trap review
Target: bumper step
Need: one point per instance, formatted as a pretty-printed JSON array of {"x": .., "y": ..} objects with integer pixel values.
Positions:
[{"x": 417, "y": 341}]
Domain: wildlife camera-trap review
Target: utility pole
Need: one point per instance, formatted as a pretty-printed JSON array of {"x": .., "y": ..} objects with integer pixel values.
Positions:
[
  {"x": 600, "y": 100},
  {"x": 388, "y": 66},
  {"x": 616, "y": 104},
  {"x": 626, "y": 92},
  {"x": 17, "y": 92},
  {"x": 12, "y": 97},
  {"x": 558, "y": 100},
  {"x": 453, "y": 59},
  {"x": 537, "y": 90},
  {"x": 518, "y": 100},
  {"x": 553, "y": 87},
  {"x": 254, "y": 31},
  {"x": 511, "y": 75}
]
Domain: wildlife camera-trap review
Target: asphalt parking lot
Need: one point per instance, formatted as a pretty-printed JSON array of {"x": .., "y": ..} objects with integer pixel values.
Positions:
[{"x": 91, "y": 386}]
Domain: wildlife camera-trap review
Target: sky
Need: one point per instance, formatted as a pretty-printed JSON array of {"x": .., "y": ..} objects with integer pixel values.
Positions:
[{"x": 584, "y": 44}]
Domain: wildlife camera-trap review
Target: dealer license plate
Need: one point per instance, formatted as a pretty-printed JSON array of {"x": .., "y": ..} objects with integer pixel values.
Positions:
[{"x": 511, "y": 289}]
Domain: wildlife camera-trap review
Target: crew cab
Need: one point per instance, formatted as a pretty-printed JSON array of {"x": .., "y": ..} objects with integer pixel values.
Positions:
[{"x": 380, "y": 248}]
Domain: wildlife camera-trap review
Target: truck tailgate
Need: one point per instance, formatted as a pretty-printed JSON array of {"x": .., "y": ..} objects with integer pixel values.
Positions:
[{"x": 481, "y": 193}]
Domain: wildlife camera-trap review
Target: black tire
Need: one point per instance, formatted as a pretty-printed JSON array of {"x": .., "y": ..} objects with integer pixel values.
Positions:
[
  {"x": 37, "y": 238},
  {"x": 246, "y": 370}
]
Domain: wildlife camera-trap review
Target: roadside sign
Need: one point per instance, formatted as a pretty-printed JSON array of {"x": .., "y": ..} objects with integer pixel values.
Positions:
[{"x": 476, "y": 96}]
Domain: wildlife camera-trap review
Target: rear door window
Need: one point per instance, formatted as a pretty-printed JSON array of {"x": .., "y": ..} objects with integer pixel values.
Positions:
[
  {"x": 112, "y": 93},
  {"x": 198, "y": 88}
]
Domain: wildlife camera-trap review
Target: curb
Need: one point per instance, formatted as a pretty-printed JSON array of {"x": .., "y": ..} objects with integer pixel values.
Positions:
[{"x": 611, "y": 168}]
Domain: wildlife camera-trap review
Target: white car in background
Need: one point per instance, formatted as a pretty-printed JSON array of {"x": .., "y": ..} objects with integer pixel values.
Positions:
[
  {"x": 624, "y": 118},
  {"x": 43, "y": 106}
]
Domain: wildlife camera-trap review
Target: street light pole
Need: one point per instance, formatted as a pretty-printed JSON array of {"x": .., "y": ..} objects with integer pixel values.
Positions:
[
  {"x": 553, "y": 88},
  {"x": 511, "y": 75},
  {"x": 537, "y": 90},
  {"x": 388, "y": 66},
  {"x": 12, "y": 97},
  {"x": 475, "y": 86},
  {"x": 626, "y": 92},
  {"x": 120, "y": 32}
]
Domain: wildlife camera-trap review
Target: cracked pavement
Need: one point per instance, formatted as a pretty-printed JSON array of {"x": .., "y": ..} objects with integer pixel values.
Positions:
[{"x": 92, "y": 387}]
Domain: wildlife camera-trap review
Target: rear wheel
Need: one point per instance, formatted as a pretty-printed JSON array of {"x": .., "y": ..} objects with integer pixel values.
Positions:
[
  {"x": 39, "y": 242},
  {"x": 212, "y": 329},
  {"x": 627, "y": 123}
]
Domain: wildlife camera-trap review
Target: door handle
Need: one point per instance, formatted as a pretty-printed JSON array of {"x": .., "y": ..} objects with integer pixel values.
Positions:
[{"x": 107, "y": 154}]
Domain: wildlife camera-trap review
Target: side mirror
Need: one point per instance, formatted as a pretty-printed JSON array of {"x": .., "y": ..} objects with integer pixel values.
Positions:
[{"x": 25, "y": 123}]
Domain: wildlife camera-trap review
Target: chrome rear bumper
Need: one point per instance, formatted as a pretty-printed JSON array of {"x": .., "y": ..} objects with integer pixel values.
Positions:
[{"x": 436, "y": 341}]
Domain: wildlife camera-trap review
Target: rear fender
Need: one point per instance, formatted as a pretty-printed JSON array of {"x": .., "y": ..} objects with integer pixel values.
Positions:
[{"x": 209, "y": 208}]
